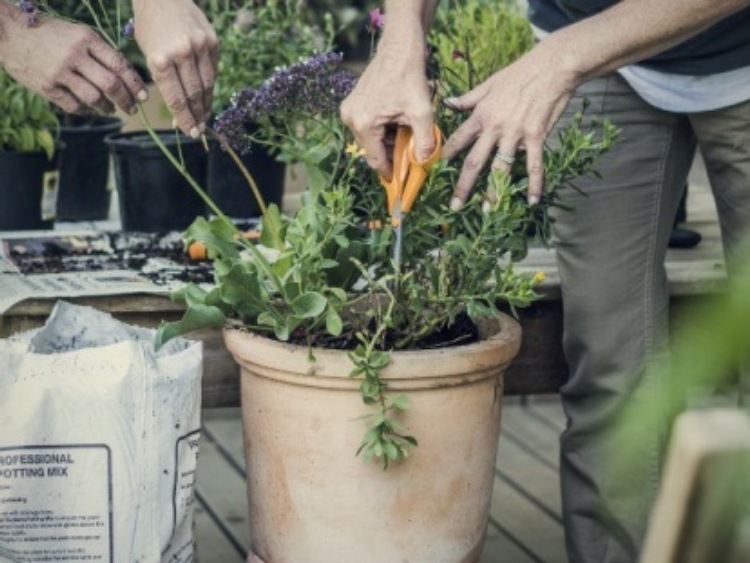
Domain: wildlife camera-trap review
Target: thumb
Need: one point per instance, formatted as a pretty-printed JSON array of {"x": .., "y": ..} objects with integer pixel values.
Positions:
[
  {"x": 424, "y": 137},
  {"x": 468, "y": 100}
]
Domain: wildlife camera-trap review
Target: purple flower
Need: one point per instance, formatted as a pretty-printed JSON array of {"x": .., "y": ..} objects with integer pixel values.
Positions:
[
  {"x": 377, "y": 20},
  {"x": 128, "y": 30},
  {"x": 27, "y": 6},
  {"x": 312, "y": 87}
]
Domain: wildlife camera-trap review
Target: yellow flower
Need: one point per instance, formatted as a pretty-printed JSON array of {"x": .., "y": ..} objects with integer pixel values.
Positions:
[
  {"x": 354, "y": 150},
  {"x": 539, "y": 277}
]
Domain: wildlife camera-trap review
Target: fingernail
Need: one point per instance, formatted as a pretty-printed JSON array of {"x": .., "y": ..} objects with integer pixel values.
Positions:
[
  {"x": 174, "y": 123},
  {"x": 195, "y": 133},
  {"x": 533, "y": 199},
  {"x": 142, "y": 96},
  {"x": 486, "y": 207},
  {"x": 451, "y": 102},
  {"x": 456, "y": 204}
]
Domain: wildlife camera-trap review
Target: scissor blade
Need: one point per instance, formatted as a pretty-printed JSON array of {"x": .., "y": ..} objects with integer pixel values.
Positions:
[{"x": 398, "y": 243}]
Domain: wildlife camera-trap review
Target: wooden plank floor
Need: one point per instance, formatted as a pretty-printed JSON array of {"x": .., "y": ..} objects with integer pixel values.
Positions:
[{"x": 525, "y": 522}]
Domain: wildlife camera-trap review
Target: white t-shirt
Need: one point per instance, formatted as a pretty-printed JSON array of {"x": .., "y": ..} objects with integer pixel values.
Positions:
[{"x": 681, "y": 93}]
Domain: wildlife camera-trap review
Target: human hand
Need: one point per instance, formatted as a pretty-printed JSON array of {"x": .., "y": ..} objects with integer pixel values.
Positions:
[
  {"x": 392, "y": 90},
  {"x": 514, "y": 109},
  {"x": 70, "y": 65},
  {"x": 182, "y": 53}
]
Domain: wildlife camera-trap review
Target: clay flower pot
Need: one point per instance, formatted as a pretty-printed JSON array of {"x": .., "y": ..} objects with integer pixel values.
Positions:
[{"x": 312, "y": 500}]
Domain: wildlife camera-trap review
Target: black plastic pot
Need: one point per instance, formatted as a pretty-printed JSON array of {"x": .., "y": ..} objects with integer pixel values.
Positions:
[
  {"x": 28, "y": 190},
  {"x": 229, "y": 189},
  {"x": 83, "y": 194},
  {"x": 153, "y": 195}
]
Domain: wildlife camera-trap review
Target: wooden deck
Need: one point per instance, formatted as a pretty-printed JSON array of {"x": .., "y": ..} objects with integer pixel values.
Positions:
[{"x": 525, "y": 521}]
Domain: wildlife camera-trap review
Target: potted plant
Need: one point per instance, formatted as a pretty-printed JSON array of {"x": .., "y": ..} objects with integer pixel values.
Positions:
[
  {"x": 256, "y": 38},
  {"x": 84, "y": 193},
  {"x": 342, "y": 352},
  {"x": 154, "y": 194},
  {"x": 29, "y": 158}
]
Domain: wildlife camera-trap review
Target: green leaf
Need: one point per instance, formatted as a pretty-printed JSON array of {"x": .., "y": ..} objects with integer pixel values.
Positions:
[
  {"x": 272, "y": 230},
  {"x": 218, "y": 237},
  {"x": 334, "y": 324},
  {"x": 196, "y": 317},
  {"x": 45, "y": 140},
  {"x": 309, "y": 305}
]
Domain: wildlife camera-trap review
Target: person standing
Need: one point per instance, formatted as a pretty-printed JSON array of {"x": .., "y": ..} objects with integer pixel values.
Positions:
[{"x": 670, "y": 75}]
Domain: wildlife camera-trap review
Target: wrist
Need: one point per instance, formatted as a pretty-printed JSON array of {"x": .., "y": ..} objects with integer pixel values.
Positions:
[
  {"x": 567, "y": 67},
  {"x": 9, "y": 20}
]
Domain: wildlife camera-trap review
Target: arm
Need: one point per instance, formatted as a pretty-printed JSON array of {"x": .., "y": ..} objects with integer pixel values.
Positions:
[
  {"x": 182, "y": 53},
  {"x": 393, "y": 88},
  {"x": 69, "y": 64},
  {"x": 518, "y": 106}
]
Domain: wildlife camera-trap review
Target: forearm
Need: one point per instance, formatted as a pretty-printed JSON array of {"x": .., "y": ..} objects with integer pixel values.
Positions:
[
  {"x": 10, "y": 20},
  {"x": 406, "y": 25},
  {"x": 630, "y": 31}
]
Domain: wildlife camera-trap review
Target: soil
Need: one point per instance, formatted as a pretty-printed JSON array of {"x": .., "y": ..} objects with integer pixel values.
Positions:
[
  {"x": 463, "y": 331},
  {"x": 161, "y": 258}
]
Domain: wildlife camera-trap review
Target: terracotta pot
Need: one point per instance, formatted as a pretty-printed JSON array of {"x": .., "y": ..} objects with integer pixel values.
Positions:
[{"x": 312, "y": 500}]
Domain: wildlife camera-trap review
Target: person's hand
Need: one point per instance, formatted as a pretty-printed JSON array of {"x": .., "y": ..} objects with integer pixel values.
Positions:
[
  {"x": 69, "y": 64},
  {"x": 513, "y": 110},
  {"x": 392, "y": 90},
  {"x": 182, "y": 53}
]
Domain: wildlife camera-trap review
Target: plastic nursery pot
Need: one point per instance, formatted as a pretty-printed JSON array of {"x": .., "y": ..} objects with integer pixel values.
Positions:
[
  {"x": 28, "y": 190},
  {"x": 229, "y": 189},
  {"x": 312, "y": 500},
  {"x": 83, "y": 192},
  {"x": 153, "y": 195}
]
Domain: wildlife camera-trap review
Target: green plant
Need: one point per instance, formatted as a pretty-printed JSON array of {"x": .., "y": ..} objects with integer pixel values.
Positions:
[
  {"x": 27, "y": 121},
  {"x": 324, "y": 278},
  {"x": 108, "y": 17},
  {"x": 259, "y": 37},
  {"x": 472, "y": 39}
]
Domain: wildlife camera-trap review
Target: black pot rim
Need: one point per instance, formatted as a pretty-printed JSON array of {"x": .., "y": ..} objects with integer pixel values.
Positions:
[
  {"x": 102, "y": 123},
  {"x": 59, "y": 148},
  {"x": 139, "y": 140}
]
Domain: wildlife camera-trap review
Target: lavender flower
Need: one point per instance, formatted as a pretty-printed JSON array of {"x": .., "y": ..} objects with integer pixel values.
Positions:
[
  {"x": 312, "y": 87},
  {"x": 128, "y": 30}
]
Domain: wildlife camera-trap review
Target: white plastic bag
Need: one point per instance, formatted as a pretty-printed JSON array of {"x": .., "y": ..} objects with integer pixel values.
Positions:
[{"x": 98, "y": 442}]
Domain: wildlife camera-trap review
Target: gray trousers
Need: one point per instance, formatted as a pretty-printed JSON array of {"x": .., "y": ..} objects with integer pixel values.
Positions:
[{"x": 611, "y": 251}]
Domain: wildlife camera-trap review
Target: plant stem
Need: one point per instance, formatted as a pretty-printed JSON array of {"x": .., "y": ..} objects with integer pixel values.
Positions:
[
  {"x": 183, "y": 170},
  {"x": 241, "y": 165}
]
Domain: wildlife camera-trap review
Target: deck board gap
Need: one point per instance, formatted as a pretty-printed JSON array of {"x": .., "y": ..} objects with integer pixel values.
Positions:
[
  {"x": 530, "y": 498},
  {"x": 515, "y": 541},
  {"x": 533, "y": 452},
  {"x": 224, "y": 451},
  {"x": 228, "y": 533}
]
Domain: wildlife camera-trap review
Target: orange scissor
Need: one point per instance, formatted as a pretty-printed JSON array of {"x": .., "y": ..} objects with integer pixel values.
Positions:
[
  {"x": 409, "y": 173},
  {"x": 408, "y": 178}
]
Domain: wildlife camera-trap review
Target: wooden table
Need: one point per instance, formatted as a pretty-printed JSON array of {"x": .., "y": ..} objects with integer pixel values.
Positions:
[{"x": 540, "y": 367}]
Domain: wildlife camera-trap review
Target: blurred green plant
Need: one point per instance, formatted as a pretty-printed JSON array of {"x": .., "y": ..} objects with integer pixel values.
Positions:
[
  {"x": 27, "y": 121},
  {"x": 473, "y": 39}
]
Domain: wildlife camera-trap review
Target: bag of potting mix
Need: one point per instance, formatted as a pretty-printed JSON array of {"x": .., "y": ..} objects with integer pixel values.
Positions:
[{"x": 98, "y": 442}]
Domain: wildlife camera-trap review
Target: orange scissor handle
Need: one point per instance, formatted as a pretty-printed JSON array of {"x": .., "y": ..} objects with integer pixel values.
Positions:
[{"x": 409, "y": 173}]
